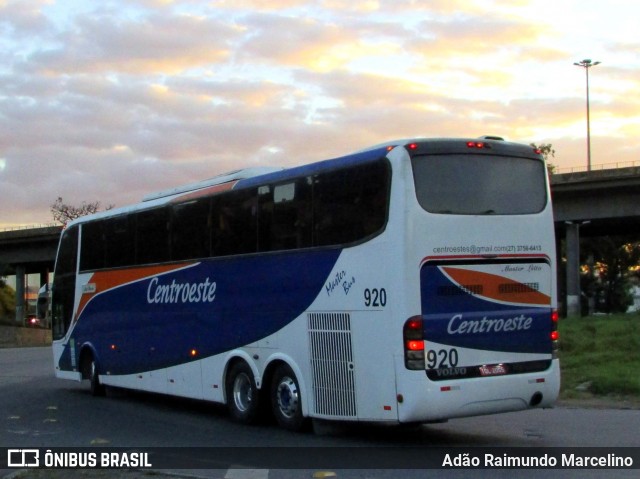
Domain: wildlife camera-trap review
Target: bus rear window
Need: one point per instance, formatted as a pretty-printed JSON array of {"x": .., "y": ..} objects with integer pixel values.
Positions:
[{"x": 479, "y": 184}]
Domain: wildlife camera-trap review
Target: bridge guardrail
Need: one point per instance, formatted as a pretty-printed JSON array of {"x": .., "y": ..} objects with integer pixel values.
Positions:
[
  {"x": 601, "y": 166},
  {"x": 29, "y": 227}
]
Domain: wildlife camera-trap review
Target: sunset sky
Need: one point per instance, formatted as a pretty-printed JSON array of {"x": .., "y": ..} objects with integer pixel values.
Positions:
[{"x": 110, "y": 100}]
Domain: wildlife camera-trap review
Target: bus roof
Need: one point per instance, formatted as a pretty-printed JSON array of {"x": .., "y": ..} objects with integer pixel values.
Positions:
[
  {"x": 216, "y": 180},
  {"x": 314, "y": 168},
  {"x": 251, "y": 177},
  {"x": 244, "y": 178}
]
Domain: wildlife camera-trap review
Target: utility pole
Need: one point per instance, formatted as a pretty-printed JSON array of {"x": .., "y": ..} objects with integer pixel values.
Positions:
[{"x": 586, "y": 64}]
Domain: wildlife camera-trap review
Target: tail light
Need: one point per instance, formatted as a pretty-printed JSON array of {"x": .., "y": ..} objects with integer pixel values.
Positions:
[
  {"x": 555, "y": 335},
  {"x": 413, "y": 337}
]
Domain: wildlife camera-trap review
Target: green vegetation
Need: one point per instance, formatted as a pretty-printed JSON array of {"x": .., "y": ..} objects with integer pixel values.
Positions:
[
  {"x": 7, "y": 304},
  {"x": 600, "y": 355}
]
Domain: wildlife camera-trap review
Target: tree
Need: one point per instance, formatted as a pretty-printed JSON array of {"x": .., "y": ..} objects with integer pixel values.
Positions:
[
  {"x": 615, "y": 259},
  {"x": 548, "y": 153},
  {"x": 63, "y": 212},
  {"x": 7, "y": 299}
]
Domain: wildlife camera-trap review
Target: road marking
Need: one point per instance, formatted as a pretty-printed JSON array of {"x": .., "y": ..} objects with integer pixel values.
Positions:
[
  {"x": 99, "y": 440},
  {"x": 247, "y": 474},
  {"x": 324, "y": 474}
]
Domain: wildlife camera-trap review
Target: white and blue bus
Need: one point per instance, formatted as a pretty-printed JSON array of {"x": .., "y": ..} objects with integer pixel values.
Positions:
[{"x": 411, "y": 282}]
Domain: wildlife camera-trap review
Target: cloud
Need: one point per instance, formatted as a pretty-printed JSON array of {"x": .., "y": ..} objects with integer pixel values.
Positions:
[
  {"x": 153, "y": 44},
  {"x": 22, "y": 18},
  {"x": 297, "y": 42},
  {"x": 108, "y": 101}
]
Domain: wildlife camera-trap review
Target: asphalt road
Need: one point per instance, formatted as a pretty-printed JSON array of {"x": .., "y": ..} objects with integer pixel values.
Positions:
[{"x": 39, "y": 410}]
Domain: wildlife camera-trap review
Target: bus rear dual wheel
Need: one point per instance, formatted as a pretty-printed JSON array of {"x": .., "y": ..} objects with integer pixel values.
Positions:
[
  {"x": 285, "y": 397},
  {"x": 243, "y": 398}
]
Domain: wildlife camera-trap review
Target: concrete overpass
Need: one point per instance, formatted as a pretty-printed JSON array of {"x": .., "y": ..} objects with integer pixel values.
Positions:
[
  {"x": 595, "y": 203},
  {"x": 609, "y": 200},
  {"x": 25, "y": 251}
]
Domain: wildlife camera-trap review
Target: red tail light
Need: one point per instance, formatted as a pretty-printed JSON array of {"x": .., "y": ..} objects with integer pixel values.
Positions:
[
  {"x": 555, "y": 335},
  {"x": 413, "y": 337}
]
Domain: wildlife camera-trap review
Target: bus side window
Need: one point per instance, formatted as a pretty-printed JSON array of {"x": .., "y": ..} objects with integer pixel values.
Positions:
[
  {"x": 374, "y": 198},
  {"x": 326, "y": 208},
  {"x": 234, "y": 223},
  {"x": 285, "y": 216},
  {"x": 302, "y": 227},
  {"x": 92, "y": 252},
  {"x": 265, "y": 217},
  {"x": 120, "y": 245},
  {"x": 152, "y": 245},
  {"x": 190, "y": 230},
  {"x": 351, "y": 204}
]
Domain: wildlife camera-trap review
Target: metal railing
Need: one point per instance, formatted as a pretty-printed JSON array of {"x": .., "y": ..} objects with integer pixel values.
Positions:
[
  {"x": 601, "y": 166},
  {"x": 29, "y": 227}
]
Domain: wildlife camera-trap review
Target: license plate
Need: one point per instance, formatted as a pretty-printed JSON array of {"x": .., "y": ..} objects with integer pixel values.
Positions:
[{"x": 493, "y": 370}]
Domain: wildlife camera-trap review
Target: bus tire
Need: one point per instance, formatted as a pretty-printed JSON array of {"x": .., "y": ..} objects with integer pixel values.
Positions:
[
  {"x": 243, "y": 397},
  {"x": 286, "y": 399},
  {"x": 97, "y": 389}
]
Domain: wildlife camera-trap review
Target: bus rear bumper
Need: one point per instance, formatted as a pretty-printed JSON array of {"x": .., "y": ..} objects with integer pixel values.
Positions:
[{"x": 422, "y": 400}]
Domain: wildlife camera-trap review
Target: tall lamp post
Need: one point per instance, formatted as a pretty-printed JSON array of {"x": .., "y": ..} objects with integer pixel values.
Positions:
[{"x": 586, "y": 64}]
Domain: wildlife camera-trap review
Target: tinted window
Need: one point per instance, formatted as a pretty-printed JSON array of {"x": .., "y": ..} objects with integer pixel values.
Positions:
[
  {"x": 479, "y": 185},
  {"x": 285, "y": 215},
  {"x": 331, "y": 208},
  {"x": 350, "y": 204},
  {"x": 234, "y": 223},
  {"x": 191, "y": 230},
  {"x": 93, "y": 252},
  {"x": 152, "y": 241},
  {"x": 120, "y": 246}
]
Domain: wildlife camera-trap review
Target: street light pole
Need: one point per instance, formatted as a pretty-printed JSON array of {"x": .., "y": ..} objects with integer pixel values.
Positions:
[{"x": 586, "y": 64}]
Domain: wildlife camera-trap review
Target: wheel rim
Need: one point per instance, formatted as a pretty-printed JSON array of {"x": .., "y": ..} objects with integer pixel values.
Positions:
[
  {"x": 288, "y": 397},
  {"x": 242, "y": 392}
]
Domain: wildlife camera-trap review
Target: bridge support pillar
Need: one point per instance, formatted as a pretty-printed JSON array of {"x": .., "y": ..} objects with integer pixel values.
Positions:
[
  {"x": 572, "y": 239},
  {"x": 20, "y": 293}
]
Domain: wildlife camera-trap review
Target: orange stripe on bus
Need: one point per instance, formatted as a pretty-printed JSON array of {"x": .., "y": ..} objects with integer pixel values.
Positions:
[
  {"x": 106, "y": 280},
  {"x": 498, "y": 287}
]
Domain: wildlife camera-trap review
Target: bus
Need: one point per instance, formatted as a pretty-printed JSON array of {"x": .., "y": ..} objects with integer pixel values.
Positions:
[
  {"x": 411, "y": 282},
  {"x": 43, "y": 306}
]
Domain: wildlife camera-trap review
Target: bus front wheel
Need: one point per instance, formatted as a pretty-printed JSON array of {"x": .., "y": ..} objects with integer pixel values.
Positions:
[
  {"x": 286, "y": 399},
  {"x": 242, "y": 394}
]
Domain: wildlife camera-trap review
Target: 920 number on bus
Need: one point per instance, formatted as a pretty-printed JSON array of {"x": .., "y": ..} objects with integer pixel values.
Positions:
[
  {"x": 375, "y": 298},
  {"x": 442, "y": 358}
]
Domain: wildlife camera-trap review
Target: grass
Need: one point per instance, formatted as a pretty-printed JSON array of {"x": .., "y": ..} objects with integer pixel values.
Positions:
[{"x": 600, "y": 355}]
